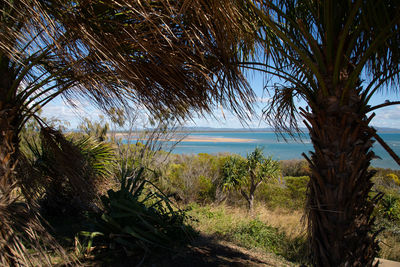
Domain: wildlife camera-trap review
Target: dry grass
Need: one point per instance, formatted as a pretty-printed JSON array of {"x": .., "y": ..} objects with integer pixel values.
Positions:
[
  {"x": 390, "y": 246},
  {"x": 220, "y": 220},
  {"x": 289, "y": 222},
  {"x": 269, "y": 231}
]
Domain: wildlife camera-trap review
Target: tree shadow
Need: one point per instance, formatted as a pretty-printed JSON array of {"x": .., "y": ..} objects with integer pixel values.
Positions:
[{"x": 204, "y": 251}]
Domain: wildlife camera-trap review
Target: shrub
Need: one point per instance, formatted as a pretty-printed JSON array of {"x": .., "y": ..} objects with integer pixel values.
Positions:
[
  {"x": 137, "y": 217},
  {"x": 206, "y": 189},
  {"x": 390, "y": 207},
  {"x": 393, "y": 177},
  {"x": 289, "y": 194},
  {"x": 297, "y": 187},
  {"x": 255, "y": 233},
  {"x": 194, "y": 178},
  {"x": 64, "y": 171},
  {"x": 295, "y": 167}
]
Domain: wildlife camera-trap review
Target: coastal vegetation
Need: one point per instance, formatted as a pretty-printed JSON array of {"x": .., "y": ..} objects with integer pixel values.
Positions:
[
  {"x": 145, "y": 203},
  {"x": 144, "y": 212},
  {"x": 176, "y": 59}
]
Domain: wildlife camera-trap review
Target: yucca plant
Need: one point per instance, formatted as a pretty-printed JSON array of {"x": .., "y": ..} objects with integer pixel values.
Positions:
[{"x": 137, "y": 218}]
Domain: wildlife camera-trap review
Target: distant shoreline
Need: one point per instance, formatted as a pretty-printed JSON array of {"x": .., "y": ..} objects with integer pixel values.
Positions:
[
  {"x": 207, "y": 139},
  {"x": 199, "y": 139},
  {"x": 382, "y": 131}
]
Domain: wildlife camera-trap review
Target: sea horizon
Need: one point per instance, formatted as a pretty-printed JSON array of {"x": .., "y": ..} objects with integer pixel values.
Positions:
[{"x": 280, "y": 146}]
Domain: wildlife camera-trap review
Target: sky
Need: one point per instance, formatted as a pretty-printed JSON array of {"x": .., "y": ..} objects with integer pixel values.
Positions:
[{"x": 72, "y": 116}]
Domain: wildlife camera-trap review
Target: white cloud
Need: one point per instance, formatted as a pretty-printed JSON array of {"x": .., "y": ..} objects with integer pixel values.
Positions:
[
  {"x": 263, "y": 100},
  {"x": 60, "y": 110},
  {"x": 387, "y": 117}
]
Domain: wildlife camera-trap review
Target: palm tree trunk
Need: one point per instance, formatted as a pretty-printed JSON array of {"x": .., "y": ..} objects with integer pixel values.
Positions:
[{"x": 339, "y": 208}]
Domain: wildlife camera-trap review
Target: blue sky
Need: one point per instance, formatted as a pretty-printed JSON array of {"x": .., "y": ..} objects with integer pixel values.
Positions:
[{"x": 386, "y": 117}]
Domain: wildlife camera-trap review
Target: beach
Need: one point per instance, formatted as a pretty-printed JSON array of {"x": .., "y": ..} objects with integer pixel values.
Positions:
[
  {"x": 209, "y": 139},
  {"x": 190, "y": 138}
]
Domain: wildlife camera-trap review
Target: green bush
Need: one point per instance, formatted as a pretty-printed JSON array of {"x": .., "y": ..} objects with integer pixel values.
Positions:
[
  {"x": 194, "y": 178},
  {"x": 255, "y": 233},
  {"x": 289, "y": 193},
  {"x": 389, "y": 207},
  {"x": 206, "y": 189},
  {"x": 295, "y": 167},
  {"x": 274, "y": 195},
  {"x": 297, "y": 187}
]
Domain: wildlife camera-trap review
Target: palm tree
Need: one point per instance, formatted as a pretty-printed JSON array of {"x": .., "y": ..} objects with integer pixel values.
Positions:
[
  {"x": 171, "y": 56},
  {"x": 335, "y": 55}
]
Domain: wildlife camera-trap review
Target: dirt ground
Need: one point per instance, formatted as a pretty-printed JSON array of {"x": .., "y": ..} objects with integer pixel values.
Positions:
[{"x": 209, "y": 252}]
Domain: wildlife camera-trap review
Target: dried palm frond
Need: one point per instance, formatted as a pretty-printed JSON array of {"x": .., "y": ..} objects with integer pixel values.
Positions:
[
  {"x": 22, "y": 231},
  {"x": 63, "y": 172},
  {"x": 171, "y": 56}
]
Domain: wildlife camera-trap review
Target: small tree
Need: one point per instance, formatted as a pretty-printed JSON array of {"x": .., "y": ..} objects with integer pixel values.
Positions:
[{"x": 246, "y": 174}]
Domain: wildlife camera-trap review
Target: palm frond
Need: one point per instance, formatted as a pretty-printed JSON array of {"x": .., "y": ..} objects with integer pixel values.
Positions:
[
  {"x": 171, "y": 56},
  {"x": 22, "y": 231}
]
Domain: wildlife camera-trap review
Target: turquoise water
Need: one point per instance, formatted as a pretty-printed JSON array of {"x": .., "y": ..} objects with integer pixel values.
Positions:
[{"x": 276, "y": 146}]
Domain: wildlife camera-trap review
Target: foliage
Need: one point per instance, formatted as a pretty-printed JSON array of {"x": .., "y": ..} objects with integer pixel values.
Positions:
[
  {"x": 289, "y": 194},
  {"x": 96, "y": 130},
  {"x": 66, "y": 171},
  {"x": 297, "y": 186},
  {"x": 295, "y": 168},
  {"x": 390, "y": 207},
  {"x": 239, "y": 172},
  {"x": 245, "y": 175},
  {"x": 234, "y": 172},
  {"x": 393, "y": 177},
  {"x": 386, "y": 178},
  {"x": 207, "y": 189},
  {"x": 194, "y": 177},
  {"x": 255, "y": 233},
  {"x": 137, "y": 217}
]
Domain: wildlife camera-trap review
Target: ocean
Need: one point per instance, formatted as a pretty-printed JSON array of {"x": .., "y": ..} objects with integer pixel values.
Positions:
[{"x": 276, "y": 146}]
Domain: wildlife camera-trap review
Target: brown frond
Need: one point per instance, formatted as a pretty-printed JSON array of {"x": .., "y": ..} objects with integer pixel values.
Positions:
[
  {"x": 66, "y": 165},
  {"x": 282, "y": 111},
  {"x": 22, "y": 231},
  {"x": 171, "y": 56}
]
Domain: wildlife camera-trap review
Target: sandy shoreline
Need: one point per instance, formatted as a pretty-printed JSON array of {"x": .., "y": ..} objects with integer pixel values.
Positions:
[
  {"x": 200, "y": 139},
  {"x": 206, "y": 139}
]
